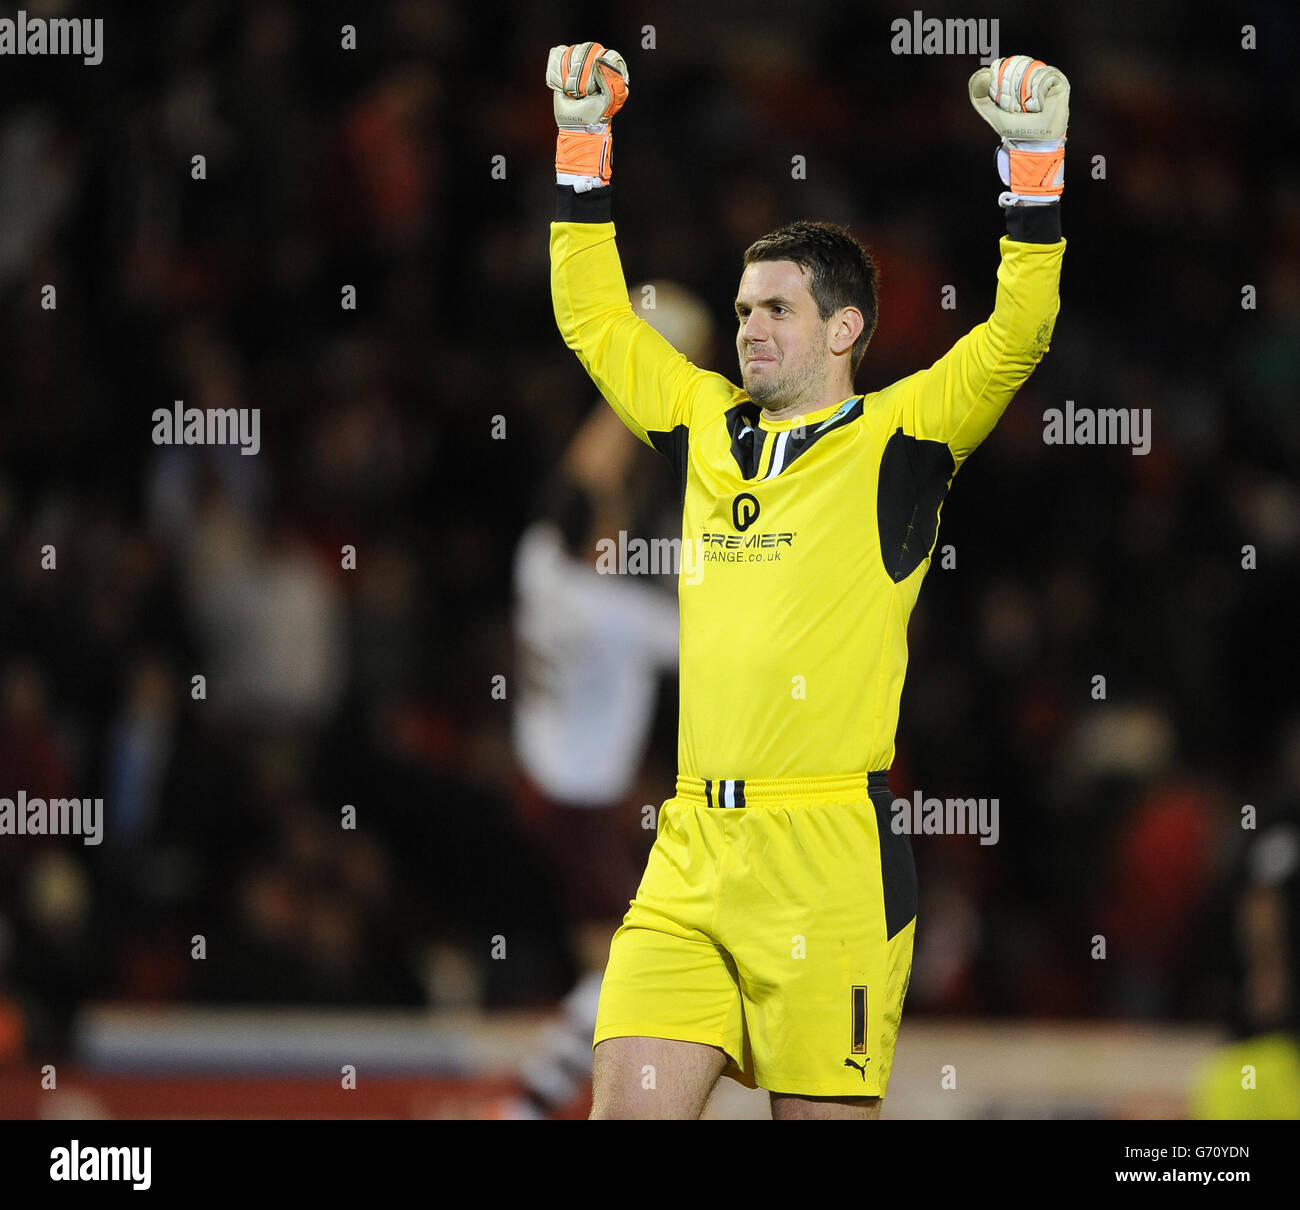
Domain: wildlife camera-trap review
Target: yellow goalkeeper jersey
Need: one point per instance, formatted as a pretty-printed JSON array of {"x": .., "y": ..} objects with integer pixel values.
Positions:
[{"x": 804, "y": 542}]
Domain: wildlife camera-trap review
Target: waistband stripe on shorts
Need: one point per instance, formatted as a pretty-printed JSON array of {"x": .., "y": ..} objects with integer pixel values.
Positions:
[
  {"x": 747, "y": 792},
  {"x": 728, "y": 793}
]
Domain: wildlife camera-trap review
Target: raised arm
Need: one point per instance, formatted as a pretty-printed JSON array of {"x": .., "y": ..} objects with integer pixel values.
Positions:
[
  {"x": 959, "y": 399},
  {"x": 645, "y": 380}
]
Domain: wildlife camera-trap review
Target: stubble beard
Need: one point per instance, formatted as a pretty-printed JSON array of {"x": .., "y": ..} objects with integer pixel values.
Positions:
[{"x": 788, "y": 387}]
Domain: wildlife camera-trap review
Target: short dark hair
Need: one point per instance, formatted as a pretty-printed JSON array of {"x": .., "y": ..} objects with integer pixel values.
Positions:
[
  {"x": 843, "y": 272},
  {"x": 569, "y": 507}
]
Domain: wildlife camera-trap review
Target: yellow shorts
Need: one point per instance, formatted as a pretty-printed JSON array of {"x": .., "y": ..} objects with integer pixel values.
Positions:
[{"x": 780, "y": 931}]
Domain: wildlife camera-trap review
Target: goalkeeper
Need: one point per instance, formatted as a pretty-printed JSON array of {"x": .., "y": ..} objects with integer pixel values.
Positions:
[{"x": 770, "y": 939}]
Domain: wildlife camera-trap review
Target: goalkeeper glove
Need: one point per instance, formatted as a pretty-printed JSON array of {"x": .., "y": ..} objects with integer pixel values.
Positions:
[
  {"x": 1028, "y": 104},
  {"x": 590, "y": 85}
]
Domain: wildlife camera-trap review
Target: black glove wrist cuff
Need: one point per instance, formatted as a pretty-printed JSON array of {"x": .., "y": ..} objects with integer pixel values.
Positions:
[{"x": 594, "y": 206}]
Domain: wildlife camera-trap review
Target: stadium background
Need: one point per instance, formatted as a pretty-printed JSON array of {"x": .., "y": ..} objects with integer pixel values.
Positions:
[{"x": 373, "y": 687}]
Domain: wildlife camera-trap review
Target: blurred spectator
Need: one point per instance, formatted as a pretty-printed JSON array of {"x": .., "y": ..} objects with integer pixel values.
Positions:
[{"x": 593, "y": 642}]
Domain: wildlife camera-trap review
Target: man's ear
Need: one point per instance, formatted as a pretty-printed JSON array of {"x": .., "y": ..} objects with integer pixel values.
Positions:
[{"x": 846, "y": 326}]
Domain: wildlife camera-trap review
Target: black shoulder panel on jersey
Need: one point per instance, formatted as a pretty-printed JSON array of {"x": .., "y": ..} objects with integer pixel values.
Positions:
[
  {"x": 914, "y": 479},
  {"x": 746, "y": 437},
  {"x": 675, "y": 446},
  {"x": 592, "y": 206},
  {"x": 1035, "y": 224}
]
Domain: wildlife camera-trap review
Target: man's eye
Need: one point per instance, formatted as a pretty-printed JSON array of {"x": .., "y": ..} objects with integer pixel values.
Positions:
[{"x": 776, "y": 310}]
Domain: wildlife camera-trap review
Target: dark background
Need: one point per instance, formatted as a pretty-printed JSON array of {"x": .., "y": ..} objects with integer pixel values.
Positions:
[{"x": 372, "y": 687}]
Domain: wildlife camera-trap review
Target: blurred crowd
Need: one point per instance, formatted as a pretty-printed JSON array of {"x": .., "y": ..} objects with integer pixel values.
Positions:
[{"x": 419, "y": 428}]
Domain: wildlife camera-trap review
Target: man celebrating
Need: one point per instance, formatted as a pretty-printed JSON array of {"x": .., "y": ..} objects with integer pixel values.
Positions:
[{"x": 770, "y": 939}]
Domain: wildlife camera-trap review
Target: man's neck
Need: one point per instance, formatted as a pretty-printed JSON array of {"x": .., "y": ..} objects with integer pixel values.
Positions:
[{"x": 828, "y": 399}]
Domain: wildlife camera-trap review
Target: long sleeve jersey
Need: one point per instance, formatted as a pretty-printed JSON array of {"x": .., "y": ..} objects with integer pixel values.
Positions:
[{"x": 805, "y": 541}]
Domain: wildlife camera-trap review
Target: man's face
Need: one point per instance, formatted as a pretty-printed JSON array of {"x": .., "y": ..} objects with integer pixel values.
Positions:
[{"x": 781, "y": 340}]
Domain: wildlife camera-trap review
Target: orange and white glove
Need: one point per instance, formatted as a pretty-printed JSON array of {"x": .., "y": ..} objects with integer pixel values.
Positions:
[
  {"x": 1028, "y": 104},
  {"x": 590, "y": 86}
]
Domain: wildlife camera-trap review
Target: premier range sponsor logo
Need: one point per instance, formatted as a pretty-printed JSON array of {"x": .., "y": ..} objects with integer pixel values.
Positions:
[
  {"x": 744, "y": 548},
  {"x": 717, "y": 546}
]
